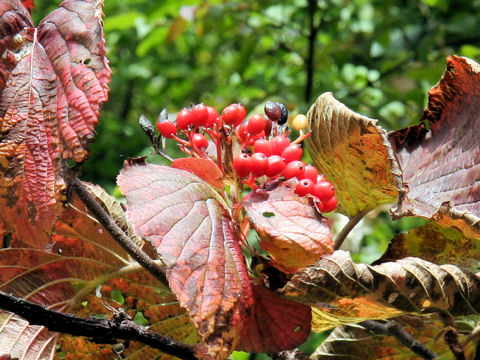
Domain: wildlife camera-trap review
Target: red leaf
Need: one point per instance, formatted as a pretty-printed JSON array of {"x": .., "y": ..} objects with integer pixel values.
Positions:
[
  {"x": 53, "y": 80},
  {"x": 290, "y": 228},
  {"x": 275, "y": 324},
  {"x": 203, "y": 168},
  {"x": 441, "y": 165},
  {"x": 29, "y": 5},
  {"x": 185, "y": 220}
]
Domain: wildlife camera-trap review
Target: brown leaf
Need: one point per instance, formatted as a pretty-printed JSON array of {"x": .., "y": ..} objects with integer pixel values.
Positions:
[
  {"x": 441, "y": 166},
  {"x": 53, "y": 80},
  {"x": 80, "y": 259},
  {"x": 436, "y": 244},
  {"x": 342, "y": 292},
  {"x": 275, "y": 323},
  {"x": 290, "y": 228},
  {"x": 355, "y": 342},
  {"x": 176, "y": 29},
  {"x": 186, "y": 220},
  {"x": 353, "y": 153}
]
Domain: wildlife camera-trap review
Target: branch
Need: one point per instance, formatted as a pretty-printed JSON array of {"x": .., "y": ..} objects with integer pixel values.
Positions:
[
  {"x": 117, "y": 233},
  {"x": 392, "y": 328},
  {"x": 352, "y": 222},
  {"x": 98, "y": 330}
]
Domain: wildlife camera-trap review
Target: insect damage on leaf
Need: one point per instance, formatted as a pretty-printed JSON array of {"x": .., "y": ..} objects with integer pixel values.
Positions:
[{"x": 53, "y": 80}]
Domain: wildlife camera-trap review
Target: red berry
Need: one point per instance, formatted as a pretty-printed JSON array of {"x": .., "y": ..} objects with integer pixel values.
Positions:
[
  {"x": 262, "y": 146},
  {"x": 279, "y": 143},
  {"x": 242, "y": 132},
  {"x": 276, "y": 164},
  {"x": 167, "y": 128},
  {"x": 233, "y": 114},
  {"x": 294, "y": 169},
  {"x": 259, "y": 164},
  {"x": 304, "y": 187},
  {"x": 330, "y": 205},
  {"x": 200, "y": 141},
  {"x": 321, "y": 178},
  {"x": 200, "y": 115},
  {"x": 324, "y": 191},
  {"x": 241, "y": 165},
  {"x": 184, "y": 119},
  {"x": 268, "y": 127},
  {"x": 256, "y": 124},
  {"x": 310, "y": 172},
  {"x": 292, "y": 152},
  {"x": 212, "y": 117},
  {"x": 273, "y": 110}
]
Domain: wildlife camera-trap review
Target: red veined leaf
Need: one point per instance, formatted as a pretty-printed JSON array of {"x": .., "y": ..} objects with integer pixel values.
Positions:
[
  {"x": 53, "y": 80},
  {"x": 275, "y": 324},
  {"x": 290, "y": 227},
  {"x": 441, "y": 165},
  {"x": 203, "y": 168},
  {"x": 187, "y": 222}
]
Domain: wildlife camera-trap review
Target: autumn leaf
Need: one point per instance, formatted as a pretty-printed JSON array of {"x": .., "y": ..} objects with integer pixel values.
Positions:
[
  {"x": 440, "y": 157},
  {"x": 84, "y": 261},
  {"x": 275, "y": 323},
  {"x": 342, "y": 292},
  {"x": 436, "y": 244},
  {"x": 53, "y": 80},
  {"x": 290, "y": 228},
  {"x": 186, "y": 220},
  {"x": 203, "y": 168},
  {"x": 353, "y": 153},
  {"x": 358, "y": 343}
]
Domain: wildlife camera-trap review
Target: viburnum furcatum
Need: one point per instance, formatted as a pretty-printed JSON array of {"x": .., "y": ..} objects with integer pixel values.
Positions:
[{"x": 266, "y": 151}]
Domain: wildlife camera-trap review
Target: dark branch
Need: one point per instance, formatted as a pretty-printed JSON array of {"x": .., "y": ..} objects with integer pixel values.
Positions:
[
  {"x": 352, "y": 222},
  {"x": 101, "y": 331},
  {"x": 392, "y": 328},
  {"x": 117, "y": 233}
]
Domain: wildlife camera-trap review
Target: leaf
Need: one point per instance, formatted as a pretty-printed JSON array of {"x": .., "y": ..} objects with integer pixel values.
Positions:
[
  {"x": 440, "y": 166},
  {"x": 29, "y": 5},
  {"x": 436, "y": 244},
  {"x": 53, "y": 80},
  {"x": 203, "y": 168},
  {"x": 342, "y": 292},
  {"x": 176, "y": 29},
  {"x": 353, "y": 153},
  {"x": 187, "y": 222},
  {"x": 275, "y": 324},
  {"x": 82, "y": 261},
  {"x": 290, "y": 227},
  {"x": 356, "y": 342}
]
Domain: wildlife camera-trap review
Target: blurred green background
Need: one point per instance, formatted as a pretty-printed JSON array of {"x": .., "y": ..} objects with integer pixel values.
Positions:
[{"x": 378, "y": 57}]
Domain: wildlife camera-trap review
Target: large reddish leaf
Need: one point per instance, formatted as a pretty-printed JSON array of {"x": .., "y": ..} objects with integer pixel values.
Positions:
[
  {"x": 53, "y": 80},
  {"x": 441, "y": 165},
  {"x": 187, "y": 221},
  {"x": 82, "y": 261},
  {"x": 275, "y": 323},
  {"x": 290, "y": 228}
]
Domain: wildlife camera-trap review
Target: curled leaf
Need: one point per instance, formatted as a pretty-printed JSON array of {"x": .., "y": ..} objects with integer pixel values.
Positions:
[
  {"x": 441, "y": 165},
  {"x": 342, "y": 292},
  {"x": 53, "y": 80},
  {"x": 186, "y": 221},
  {"x": 354, "y": 154},
  {"x": 290, "y": 228}
]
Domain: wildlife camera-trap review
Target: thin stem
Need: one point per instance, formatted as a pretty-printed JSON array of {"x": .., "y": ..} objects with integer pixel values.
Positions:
[
  {"x": 101, "y": 331},
  {"x": 393, "y": 328},
  {"x": 352, "y": 222},
  {"x": 117, "y": 233}
]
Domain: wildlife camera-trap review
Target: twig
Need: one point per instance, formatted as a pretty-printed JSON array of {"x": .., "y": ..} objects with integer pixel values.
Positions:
[
  {"x": 98, "y": 330},
  {"x": 392, "y": 327},
  {"x": 451, "y": 337},
  {"x": 294, "y": 354},
  {"x": 149, "y": 130},
  {"x": 117, "y": 233},
  {"x": 352, "y": 222}
]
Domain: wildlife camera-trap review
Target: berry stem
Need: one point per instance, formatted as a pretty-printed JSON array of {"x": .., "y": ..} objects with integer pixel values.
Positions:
[
  {"x": 302, "y": 137},
  {"x": 352, "y": 222}
]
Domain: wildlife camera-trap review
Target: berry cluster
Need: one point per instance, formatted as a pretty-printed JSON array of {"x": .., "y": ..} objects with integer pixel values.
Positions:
[{"x": 267, "y": 151}]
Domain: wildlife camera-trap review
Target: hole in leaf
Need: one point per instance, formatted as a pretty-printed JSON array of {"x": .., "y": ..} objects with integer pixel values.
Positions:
[
  {"x": 70, "y": 163},
  {"x": 297, "y": 329},
  {"x": 268, "y": 214},
  {"x": 87, "y": 61},
  {"x": 6, "y": 241},
  {"x": 118, "y": 297},
  {"x": 140, "y": 319}
]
